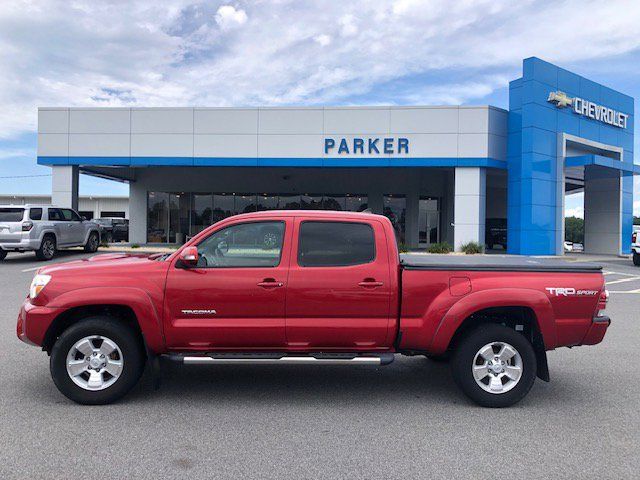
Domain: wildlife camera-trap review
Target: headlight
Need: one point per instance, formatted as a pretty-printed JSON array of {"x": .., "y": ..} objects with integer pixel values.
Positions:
[{"x": 37, "y": 284}]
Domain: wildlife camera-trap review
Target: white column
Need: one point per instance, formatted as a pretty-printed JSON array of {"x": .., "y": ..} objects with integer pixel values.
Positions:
[
  {"x": 137, "y": 213},
  {"x": 470, "y": 199},
  {"x": 64, "y": 186}
]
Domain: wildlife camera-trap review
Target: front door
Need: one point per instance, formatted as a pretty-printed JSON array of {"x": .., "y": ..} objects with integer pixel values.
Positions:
[
  {"x": 73, "y": 227},
  {"x": 339, "y": 293},
  {"x": 235, "y": 297}
]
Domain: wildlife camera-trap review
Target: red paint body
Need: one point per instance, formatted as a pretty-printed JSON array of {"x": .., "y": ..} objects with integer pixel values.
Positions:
[{"x": 294, "y": 308}]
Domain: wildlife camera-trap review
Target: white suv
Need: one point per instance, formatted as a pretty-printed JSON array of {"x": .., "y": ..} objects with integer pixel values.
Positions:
[
  {"x": 43, "y": 229},
  {"x": 635, "y": 247}
]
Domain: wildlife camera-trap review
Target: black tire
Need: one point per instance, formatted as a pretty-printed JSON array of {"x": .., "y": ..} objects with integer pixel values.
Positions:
[
  {"x": 93, "y": 242},
  {"x": 48, "y": 248},
  {"x": 636, "y": 259},
  {"x": 133, "y": 359},
  {"x": 465, "y": 356},
  {"x": 3, "y": 254}
]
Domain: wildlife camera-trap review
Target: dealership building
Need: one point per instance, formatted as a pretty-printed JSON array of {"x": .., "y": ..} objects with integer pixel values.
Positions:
[{"x": 440, "y": 173}]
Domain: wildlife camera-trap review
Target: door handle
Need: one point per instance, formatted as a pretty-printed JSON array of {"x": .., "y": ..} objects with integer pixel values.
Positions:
[
  {"x": 270, "y": 283},
  {"x": 370, "y": 283}
]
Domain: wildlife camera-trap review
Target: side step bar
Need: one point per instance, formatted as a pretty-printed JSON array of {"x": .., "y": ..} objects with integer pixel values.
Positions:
[{"x": 281, "y": 359}]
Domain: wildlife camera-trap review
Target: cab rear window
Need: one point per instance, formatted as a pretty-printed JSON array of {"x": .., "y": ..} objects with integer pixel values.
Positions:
[{"x": 11, "y": 214}]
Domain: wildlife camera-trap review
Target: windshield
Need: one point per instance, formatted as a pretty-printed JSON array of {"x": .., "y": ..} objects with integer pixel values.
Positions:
[{"x": 11, "y": 214}]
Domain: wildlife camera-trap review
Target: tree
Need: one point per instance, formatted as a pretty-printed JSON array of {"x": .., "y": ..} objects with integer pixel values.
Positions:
[{"x": 574, "y": 229}]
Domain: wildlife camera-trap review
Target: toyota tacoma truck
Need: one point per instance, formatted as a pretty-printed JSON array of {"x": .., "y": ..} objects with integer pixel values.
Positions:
[{"x": 309, "y": 287}]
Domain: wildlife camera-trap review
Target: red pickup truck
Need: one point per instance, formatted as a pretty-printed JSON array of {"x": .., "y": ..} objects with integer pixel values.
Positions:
[{"x": 309, "y": 287}]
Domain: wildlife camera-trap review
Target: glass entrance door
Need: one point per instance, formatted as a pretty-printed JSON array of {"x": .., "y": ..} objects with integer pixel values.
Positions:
[{"x": 428, "y": 222}]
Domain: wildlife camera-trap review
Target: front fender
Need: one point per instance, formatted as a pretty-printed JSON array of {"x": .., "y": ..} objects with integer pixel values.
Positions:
[
  {"x": 501, "y": 297},
  {"x": 137, "y": 299}
]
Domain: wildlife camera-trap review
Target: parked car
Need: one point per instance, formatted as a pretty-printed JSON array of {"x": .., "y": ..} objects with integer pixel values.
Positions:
[
  {"x": 496, "y": 232},
  {"x": 635, "y": 247},
  {"x": 351, "y": 299},
  {"x": 44, "y": 229},
  {"x": 113, "y": 229},
  {"x": 568, "y": 246},
  {"x": 577, "y": 247}
]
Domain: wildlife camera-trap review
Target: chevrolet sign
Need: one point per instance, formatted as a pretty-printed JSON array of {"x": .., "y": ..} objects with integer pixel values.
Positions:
[{"x": 589, "y": 109}]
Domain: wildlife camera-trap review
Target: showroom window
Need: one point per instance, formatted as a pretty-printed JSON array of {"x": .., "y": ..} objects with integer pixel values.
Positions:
[{"x": 395, "y": 209}]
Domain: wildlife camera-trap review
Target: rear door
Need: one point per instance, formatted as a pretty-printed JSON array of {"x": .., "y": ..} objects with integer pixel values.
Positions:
[{"x": 339, "y": 291}]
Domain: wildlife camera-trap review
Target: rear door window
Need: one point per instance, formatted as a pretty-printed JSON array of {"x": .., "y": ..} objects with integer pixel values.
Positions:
[
  {"x": 11, "y": 214},
  {"x": 335, "y": 244},
  {"x": 35, "y": 214}
]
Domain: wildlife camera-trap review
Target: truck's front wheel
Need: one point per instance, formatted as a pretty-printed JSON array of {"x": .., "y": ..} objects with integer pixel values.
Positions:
[
  {"x": 97, "y": 361},
  {"x": 494, "y": 365}
]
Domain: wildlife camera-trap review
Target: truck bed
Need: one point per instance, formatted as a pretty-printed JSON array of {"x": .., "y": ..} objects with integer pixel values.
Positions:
[{"x": 502, "y": 263}]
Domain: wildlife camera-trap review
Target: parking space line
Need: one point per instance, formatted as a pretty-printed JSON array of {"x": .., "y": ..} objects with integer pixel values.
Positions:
[
  {"x": 620, "y": 273},
  {"x": 622, "y": 280},
  {"x": 625, "y": 291},
  {"x": 30, "y": 269}
]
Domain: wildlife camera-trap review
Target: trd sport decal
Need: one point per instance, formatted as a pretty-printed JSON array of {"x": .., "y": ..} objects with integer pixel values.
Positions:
[{"x": 570, "y": 292}]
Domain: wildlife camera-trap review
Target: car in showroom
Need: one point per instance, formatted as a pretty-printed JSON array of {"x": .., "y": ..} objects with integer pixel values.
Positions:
[{"x": 44, "y": 229}]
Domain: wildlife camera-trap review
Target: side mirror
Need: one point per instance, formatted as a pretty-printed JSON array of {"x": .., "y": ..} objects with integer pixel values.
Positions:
[{"x": 189, "y": 257}]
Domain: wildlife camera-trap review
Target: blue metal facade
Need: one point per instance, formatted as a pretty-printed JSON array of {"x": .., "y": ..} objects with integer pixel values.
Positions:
[{"x": 532, "y": 153}]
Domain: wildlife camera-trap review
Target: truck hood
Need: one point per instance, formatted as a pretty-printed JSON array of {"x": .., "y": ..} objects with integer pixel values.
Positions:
[{"x": 105, "y": 261}]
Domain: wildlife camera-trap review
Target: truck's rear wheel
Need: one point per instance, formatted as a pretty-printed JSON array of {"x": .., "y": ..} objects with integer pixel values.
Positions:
[
  {"x": 494, "y": 365},
  {"x": 636, "y": 259},
  {"x": 97, "y": 361},
  {"x": 47, "y": 248}
]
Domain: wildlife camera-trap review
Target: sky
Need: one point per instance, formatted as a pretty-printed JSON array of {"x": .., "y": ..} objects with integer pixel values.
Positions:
[{"x": 283, "y": 52}]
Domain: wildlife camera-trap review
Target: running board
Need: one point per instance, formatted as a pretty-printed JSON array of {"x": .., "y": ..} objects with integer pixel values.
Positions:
[{"x": 280, "y": 359}]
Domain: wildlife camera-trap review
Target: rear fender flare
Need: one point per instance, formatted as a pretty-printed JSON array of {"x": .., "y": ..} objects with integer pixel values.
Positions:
[
  {"x": 502, "y": 297},
  {"x": 137, "y": 299}
]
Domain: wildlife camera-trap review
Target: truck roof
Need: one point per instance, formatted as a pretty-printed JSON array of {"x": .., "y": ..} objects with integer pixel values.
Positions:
[
  {"x": 313, "y": 213},
  {"x": 29, "y": 205}
]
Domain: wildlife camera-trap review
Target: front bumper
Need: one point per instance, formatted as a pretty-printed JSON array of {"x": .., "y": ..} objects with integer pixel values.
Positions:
[
  {"x": 596, "y": 331},
  {"x": 34, "y": 321}
]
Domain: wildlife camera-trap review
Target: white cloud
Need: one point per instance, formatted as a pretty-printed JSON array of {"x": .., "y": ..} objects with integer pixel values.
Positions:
[
  {"x": 574, "y": 212},
  {"x": 349, "y": 27},
  {"x": 228, "y": 17},
  {"x": 322, "y": 39},
  {"x": 181, "y": 52}
]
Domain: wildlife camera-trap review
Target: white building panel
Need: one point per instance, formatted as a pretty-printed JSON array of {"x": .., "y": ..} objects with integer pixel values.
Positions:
[
  {"x": 473, "y": 145},
  {"x": 432, "y": 145},
  {"x": 111, "y": 120},
  {"x": 225, "y": 146},
  {"x": 225, "y": 120},
  {"x": 99, "y": 145},
  {"x": 290, "y": 121},
  {"x": 290, "y": 146},
  {"x": 53, "y": 144},
  {"x": 473, "y": 120},
  {"x": 424, "y": 120},
  {"x": 53, "y": 120},
  {"x": 162, "y": 145},
  {"x": 162, "y": 120},
  {"x": 356, "y": 121}
]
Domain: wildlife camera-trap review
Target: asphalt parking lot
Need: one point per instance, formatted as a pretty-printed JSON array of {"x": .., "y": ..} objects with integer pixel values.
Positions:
[{"x": 407, "y": 420}]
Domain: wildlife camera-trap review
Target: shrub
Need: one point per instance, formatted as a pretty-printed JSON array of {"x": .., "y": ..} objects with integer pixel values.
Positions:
[
  {"x": 442, "y": 247},
  {"x": 471, "y": 248},
  {"x": 135, "y": 245},
  {"x": 402, "y": 248}
]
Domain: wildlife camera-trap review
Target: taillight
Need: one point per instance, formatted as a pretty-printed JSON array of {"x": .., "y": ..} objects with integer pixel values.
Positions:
[
  {"x": 26, "y": 226},
  {"x": 602, "y": 302},
  {"x": 634, "y": 237}
]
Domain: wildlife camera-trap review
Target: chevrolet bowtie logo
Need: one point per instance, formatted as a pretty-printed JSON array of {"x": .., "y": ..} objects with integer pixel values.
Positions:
[{"x": 560, "y": 99}]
